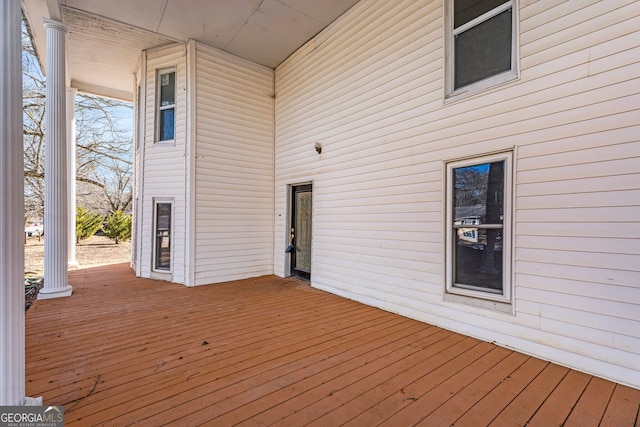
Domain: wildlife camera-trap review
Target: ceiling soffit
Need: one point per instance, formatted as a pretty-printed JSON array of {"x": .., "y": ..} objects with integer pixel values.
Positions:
[
  {"x": 262, "y": 31},
  {"x": 105, "y": 54},
  {"x": 105, "y": 38}
]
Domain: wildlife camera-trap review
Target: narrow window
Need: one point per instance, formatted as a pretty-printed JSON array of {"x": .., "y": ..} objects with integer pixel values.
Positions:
[
  {"x": 139, "y": 119},
  {"x": 166, "y": 105},
  {"x": 162, "y": 232},
  {"x": 481, "y": 43},
  {"x": 478, "y": 231}
]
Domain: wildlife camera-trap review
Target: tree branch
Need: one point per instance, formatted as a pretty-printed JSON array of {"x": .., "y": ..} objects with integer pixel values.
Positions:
[{"x": 40, "y": 175}]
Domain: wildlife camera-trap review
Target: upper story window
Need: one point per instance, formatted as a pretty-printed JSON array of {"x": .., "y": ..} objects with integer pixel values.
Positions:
[
  {"x": 481, "y": 44},
  {"x": 166, "y": 105}
]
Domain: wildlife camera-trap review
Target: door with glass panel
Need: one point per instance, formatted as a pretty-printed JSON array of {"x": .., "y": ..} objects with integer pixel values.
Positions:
[{"x": 300, "y": 231}]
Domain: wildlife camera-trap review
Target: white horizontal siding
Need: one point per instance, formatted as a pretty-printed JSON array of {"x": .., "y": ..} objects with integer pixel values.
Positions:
[
  {"x": 164, "y": 168},
  {"x": 370, "y": 89},
  {"x": 234, "y": 168}
]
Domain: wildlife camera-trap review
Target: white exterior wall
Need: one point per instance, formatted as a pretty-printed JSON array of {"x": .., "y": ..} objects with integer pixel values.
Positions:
[
  {"x": 165, "y": 167},
  {"x": 234, "y": 197},
  {"x": 370, "y": 89}
]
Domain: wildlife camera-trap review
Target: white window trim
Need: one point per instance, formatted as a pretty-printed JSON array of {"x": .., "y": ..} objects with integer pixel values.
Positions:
[
  {"x": 507, "y": 229},
  {"x": 156, "y": 202},
  {"x": 158, "y": 107},
  {"x": 452, "y": 94}
]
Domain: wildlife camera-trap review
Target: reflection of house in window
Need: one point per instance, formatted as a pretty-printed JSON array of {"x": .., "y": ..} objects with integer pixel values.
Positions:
[
  {"x": 477, "y": 226},
  {"x": 468, "y": 215}
]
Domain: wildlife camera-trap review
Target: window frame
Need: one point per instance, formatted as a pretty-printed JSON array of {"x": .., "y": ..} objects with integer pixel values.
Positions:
[
  {"x": 451, "y": 93},
  {"x": 159, "y": 108},
  {"x": 507, "y": 231},
  {"x": 154, "y": 259}
]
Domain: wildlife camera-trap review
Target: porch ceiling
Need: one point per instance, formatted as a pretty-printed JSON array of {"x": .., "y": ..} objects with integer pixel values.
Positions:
[{"x": 105, "y": 38}]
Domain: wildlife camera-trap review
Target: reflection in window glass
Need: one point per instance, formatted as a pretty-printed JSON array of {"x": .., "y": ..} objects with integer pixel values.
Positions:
[
  {"x": 478, "y": 218},
  {"x": 467, "y": 10},
  {"x": 163, "y": 237},
  {"x": 167, "y": 89},
  {"x": 480, "y": 43},
  {"x": 483, "y": 51},
  {"x": 166, "y": 106},
  {"x": 166, "y": 124}
]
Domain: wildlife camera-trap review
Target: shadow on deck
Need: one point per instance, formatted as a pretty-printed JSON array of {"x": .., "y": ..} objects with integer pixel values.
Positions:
[{"x": 268, "y": 350}]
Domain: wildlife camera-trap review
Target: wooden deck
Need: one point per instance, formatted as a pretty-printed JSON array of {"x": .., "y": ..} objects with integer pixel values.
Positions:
[{"x": 267, "y": 351}]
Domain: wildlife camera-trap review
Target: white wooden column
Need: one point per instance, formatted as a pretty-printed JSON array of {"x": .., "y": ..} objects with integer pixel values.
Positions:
[
  {"x": 12, "y": 358},
  {"x": 56, "y": 189},
  {"x": 71, "y": 173}
]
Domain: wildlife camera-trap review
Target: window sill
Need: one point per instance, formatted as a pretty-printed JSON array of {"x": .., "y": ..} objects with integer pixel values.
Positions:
[
  {"x": 167, "y": 143},
  {"x": 469, "y": 299},
  {"x": 165, "y": 275},
  {"x": 481, "y": 86}
]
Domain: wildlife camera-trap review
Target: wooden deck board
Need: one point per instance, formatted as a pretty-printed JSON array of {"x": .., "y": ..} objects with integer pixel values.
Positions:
[
  {"x": 291, "y": 400},
  {"x": 487, "y": 409},
  {"x": 474, "y": 392},
  {"x": 623, "y": 408},
  {"x": 592, "y": 404},
  {"x": 123, "y": 350},
  {"x": 396, "y": 383},
  {"x": 240, "y": 389},
  {"x": 522, "y": 408},
  {"x": 560, "y": 403},
  {"x": 248, "y": 355},
  {"x": 244, "y": 391},
  {"x": 335, "y": 393},
  {"x": 416, "y": 388}
]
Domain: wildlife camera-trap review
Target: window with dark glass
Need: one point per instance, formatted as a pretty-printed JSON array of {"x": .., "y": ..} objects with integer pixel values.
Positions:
[
  {"x": 477, "y": 225},
  {"x": 162, "y": 248},
  {"x": 482, "y": 45},
  {"x": 166, "y": 105}
]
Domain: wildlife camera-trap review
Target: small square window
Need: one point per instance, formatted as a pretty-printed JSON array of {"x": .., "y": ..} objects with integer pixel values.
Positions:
[
  {"x": 480, "y": 45},
  {"x": 166, "y": 105},
  {"x": 478, "y": 227}
]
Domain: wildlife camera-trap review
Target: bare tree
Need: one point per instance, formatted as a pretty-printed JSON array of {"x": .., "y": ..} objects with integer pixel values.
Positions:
[
  {"x": 104, "y": 151},
  {"x": 470, "y": 187},
  {"x": 33, "y": 118},
  {"x": 118, "y": 189},
  {"x": 103, "y": 144}
]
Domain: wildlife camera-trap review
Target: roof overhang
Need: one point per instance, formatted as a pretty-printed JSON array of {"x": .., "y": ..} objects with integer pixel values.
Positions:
[{"x": 105, "y": 38}]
